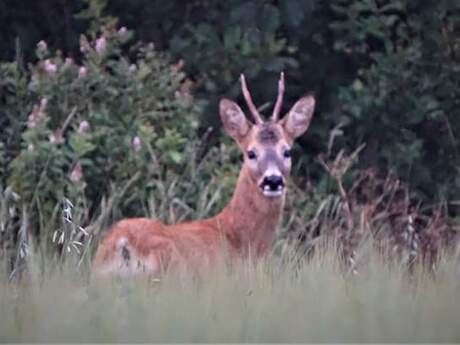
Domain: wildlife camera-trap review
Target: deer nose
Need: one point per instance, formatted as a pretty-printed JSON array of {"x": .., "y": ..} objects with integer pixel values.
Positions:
[{"x": 274, "y": 182}]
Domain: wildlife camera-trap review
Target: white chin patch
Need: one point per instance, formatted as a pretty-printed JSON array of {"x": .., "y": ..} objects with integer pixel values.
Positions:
[{"x": 266, "y": 191}]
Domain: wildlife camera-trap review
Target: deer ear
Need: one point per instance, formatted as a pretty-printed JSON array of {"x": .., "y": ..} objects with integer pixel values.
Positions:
[
  {"x": 234, "y": 120},
  {"x": 297, "y": 121}
]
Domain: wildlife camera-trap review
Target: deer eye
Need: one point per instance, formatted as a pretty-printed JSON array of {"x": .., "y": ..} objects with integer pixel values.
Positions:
[
  {"x": 287, "y": 153},
  {"x": 252, "y": 154}
]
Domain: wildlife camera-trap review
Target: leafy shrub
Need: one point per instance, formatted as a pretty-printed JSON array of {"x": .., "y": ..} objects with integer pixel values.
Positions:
[
  {"x": 90, "y": 125},
  {"x": 241, "y": 37},
  {"x": 403, "y": 101},
  {"x": 220, "y": 40}
]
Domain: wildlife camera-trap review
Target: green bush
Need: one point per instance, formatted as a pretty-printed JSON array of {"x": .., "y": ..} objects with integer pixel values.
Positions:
[
  {"x": 80, "y": 128},
  {"x": 403, "y": 101}
]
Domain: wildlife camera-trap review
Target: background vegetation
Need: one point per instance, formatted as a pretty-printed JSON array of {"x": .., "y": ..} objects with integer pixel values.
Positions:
[{"x": 386, "y": 71}]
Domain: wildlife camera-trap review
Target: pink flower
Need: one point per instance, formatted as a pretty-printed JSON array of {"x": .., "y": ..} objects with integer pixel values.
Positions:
[
  {"x": 82, "y": 72},
  {"x": 42, "y": 45},
  {"x": 83, "y": 127},
  {"x": 33, "y": 118},
  {"x": 43, "y": 103},
  {"x": 49, "y": 67},
  {"x": 137, "y": 143},
  {"x": 55, "y": 137},
  {"x": 101, "y": 45},
  {"x": 37, "y": 114},
  {"x": 77, "y": 173},
  {"x": 84, "y": 44},
  {"x": 68, "y": 61},
  {"x": 122, "y": 31},
  {"x": 178, "y": 66},
  {"x": 52, "y": 138},
  {"x": 42, "y": 48}
]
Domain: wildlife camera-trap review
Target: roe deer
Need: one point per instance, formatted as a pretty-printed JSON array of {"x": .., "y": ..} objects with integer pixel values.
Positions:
[{"x": 245, "y": 227}]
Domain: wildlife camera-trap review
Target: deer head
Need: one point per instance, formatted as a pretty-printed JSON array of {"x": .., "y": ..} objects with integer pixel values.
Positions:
[{"x": 266, "y": 145}]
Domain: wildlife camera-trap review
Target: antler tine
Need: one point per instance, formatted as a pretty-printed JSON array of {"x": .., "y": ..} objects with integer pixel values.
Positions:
[
  {"x": 279, "y": 99},
  {"x": 250, "y": 103}
]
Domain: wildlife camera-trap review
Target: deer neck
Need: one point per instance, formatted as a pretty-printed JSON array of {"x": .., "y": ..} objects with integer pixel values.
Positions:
[{"x": 250, "y": 219}]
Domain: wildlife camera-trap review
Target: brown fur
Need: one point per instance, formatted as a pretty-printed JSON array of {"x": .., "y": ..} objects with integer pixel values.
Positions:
[
  {"x": 269, "y": 134},
  {"x": 245, "y": 227}
]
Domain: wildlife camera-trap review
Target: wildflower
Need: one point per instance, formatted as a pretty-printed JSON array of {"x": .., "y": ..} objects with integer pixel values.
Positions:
[
  {"x": 77, "y": 173},
  {"x": 55, "y": 137},
  {"x": 132, "y": 68},
  {"x": 49, "y": 67},
  {"x": 43, "y": 103},
  {"x": 42, "y": 49},
  {"x": 52, "y": 138},
  {"x": 32, "y": 120},
  {"x": 37, "y": 114},
  {"x": 84, "y": 44},
  {"x": 82, "y": 72},
  {"x": 137, "y": 143},
  {"x": 42, "y": 45},
  {"x": 177, "y": 67},
  {"x": 122, "y": 31},
  {"x": 30, "y": 147},
  {"x": 101, "y": 45},
  {"x": 184, "y": 93},
  {"x": 83, "y": 127},
  {"x": 68, "y": 61}
]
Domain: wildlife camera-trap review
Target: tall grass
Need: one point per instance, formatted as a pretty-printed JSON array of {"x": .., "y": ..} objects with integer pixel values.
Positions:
[
  {"x": 365, "y": 262},
  {"x": 269, "y": 301}
]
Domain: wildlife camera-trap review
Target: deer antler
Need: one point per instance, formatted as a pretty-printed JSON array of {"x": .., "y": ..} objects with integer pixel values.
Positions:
[
  {"x": 250, "y": 103},
  {"x": 279, "y": 99}
]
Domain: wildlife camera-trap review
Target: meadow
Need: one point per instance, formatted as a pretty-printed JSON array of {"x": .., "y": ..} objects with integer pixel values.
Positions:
[{"x": 273, "y": 300}]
